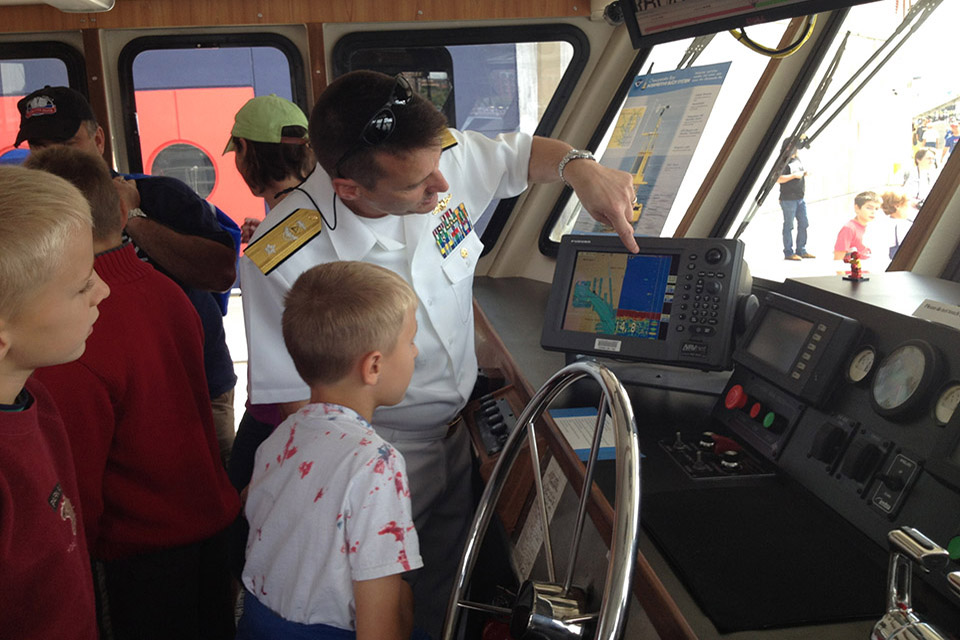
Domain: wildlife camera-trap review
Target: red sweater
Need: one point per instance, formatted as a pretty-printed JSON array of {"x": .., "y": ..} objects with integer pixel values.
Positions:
[
  {"x": 138, "y": 415},
  {"x": 46, "y": 590}
]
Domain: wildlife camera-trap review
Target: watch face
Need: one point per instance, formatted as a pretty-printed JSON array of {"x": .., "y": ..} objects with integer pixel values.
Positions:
[
  {"x": 861, "y": 364},
  {"x": 947, "y": 401}
]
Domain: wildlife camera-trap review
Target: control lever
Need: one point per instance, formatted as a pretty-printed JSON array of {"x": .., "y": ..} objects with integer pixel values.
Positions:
[{"x": 908, "y": 547}]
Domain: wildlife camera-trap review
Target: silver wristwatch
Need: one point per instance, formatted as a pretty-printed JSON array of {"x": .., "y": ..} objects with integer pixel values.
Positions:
[{"x": 573, "y": 154}]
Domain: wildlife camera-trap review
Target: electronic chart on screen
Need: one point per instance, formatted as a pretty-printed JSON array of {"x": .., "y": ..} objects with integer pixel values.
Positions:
[{"x": 673, "y": 302}]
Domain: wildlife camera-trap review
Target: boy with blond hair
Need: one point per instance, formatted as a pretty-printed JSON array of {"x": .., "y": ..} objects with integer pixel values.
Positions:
[
  {"x": 331, "y": 529},
  {"x": 49, "y": 294}
]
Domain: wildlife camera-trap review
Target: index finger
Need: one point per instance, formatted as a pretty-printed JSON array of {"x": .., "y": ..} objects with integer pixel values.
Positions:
[{"x": 624, "y": 229}]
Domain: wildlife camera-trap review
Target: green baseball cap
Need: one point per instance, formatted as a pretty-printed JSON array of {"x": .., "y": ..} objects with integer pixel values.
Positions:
[{"x": 263, "y": 118}]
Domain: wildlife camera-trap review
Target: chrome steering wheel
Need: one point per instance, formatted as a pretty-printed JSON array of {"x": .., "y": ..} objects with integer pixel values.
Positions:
[{"x": 552, "y": 609}]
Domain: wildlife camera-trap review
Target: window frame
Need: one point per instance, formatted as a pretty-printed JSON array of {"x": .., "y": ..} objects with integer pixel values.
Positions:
[
  {"x": 71, "y": 57},
  {"x": 357, "y": 40},
  {"x": 130, "y": 51}
]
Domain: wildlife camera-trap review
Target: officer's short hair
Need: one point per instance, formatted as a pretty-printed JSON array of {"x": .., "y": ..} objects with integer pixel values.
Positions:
[{"x": 344, "y": 109}]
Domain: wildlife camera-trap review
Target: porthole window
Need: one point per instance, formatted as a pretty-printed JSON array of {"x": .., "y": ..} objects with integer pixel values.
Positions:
[{"x": 187, "y": 163}]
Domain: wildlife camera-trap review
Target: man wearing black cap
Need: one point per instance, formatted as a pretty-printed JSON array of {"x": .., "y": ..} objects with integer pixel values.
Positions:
[{"x": 173, "y": 229}]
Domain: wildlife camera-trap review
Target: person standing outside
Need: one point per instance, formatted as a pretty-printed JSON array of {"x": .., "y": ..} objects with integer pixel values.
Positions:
[
  {"x": 850, "y": 237},
  {"x": 397, "y": 188},
  {"x": 792, "y": 183}
]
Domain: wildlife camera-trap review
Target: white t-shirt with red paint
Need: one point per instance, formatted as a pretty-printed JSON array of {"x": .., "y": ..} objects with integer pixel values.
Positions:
[{"x": 328, "y": 504}]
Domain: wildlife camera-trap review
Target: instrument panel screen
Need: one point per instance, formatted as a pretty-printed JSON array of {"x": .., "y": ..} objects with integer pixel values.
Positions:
[
  {"x": 620, "y": 294},
  {"x": 779, "y": 339}
]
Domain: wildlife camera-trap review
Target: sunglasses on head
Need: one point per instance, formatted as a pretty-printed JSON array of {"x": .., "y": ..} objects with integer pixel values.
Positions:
[{"x": 382, "y": 123}]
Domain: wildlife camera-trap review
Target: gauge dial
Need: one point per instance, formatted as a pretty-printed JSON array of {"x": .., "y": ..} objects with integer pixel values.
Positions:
[
  {"x": 904, "y": 378},
  {"x": 861, "y": 364},
  {"x": 947, "y": 402}
]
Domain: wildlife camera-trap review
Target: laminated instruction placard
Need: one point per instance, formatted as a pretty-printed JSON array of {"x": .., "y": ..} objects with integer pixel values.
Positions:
[{"x": 655, "y": 137}]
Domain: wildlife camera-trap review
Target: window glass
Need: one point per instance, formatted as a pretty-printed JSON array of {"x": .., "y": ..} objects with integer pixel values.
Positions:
[
  {"x": 18, "y": 77},
  {"x": 658, "y": 145},
  {"x": 186, "y": 99},
  {"x": 491, "y": 87},
  {"x": 907, "y": 110}
]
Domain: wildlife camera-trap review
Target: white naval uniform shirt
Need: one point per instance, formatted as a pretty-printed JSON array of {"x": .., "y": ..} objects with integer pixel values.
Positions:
[{"x": 478, "y": 170}]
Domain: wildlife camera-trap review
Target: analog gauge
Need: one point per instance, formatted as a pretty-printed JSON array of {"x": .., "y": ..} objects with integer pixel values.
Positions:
[
  {"x": 947, "y": 401},
  {"x": 861, "y": 364},
  {"x": 904, "y": 378}
]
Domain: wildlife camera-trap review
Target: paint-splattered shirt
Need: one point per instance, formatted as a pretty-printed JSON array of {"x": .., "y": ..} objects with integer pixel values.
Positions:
[{"x": 328, "y": 504}]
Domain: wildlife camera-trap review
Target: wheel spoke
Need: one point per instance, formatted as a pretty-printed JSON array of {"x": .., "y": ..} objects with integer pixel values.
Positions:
[
  {"x": 585, "y": 491},
  {"x": 541, "y": 501},
  {"x": 486, "y": 608}
]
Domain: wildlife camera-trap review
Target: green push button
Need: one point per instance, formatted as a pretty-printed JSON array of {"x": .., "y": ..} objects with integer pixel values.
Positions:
[
  {"x": 768, "y": 420},
  {"x": 953, "y": 548}
]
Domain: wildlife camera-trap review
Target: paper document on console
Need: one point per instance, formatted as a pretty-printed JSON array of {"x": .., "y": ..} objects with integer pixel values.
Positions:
[
  {"x": 577, "y": 426},
  {"x": 940, "y": 312}
]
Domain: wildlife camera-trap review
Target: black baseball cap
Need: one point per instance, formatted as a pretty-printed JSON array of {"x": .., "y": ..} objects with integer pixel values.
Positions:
[{"x": 52, "y": 113}]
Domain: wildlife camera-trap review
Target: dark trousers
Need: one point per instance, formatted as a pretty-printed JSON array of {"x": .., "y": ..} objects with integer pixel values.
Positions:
[
  {"x": 182, "y": 593},
  {"x": 250, "y": 434}
]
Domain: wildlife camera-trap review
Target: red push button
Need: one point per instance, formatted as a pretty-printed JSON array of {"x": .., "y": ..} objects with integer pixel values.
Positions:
[
  {"x": 755, "y": 410},
  {"x": 736, "y": 398}
]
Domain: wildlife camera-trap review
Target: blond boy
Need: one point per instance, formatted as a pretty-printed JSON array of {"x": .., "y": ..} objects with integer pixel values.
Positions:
[
  {"x": 331, "y": 529},
  {"x": 49, "y": 294}
]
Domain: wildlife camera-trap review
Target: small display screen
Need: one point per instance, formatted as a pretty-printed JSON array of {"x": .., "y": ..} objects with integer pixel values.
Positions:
[
  {"x": 621, "y": 294},
  {"x": 779, "y": 339}
]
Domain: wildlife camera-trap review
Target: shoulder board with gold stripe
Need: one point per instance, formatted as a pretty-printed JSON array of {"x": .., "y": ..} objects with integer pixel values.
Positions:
[
  {"x": 281, "y": 242},
  {"x": 447, "y": 140}
]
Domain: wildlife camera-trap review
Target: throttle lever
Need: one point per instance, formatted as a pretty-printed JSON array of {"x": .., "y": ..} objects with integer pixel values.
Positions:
[{"x": 908, "y": 546}]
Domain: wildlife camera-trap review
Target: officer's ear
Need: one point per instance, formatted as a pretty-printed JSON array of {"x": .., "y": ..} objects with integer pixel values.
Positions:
[{"x": 346, "y": 188}]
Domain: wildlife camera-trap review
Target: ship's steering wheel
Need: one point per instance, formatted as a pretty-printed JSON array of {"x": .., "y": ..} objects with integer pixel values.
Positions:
[{"x": 557, "y": 609}]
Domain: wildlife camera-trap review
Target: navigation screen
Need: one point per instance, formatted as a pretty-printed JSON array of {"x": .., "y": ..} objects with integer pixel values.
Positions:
[
  {"x": 621, "y": 294},
  {"x": 779, "y": 339}
]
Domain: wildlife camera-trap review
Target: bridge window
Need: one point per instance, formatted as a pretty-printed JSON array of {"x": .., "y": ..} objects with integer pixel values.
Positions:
[
  {"x": 489, "y": 80},
  {"x": 666, "y": 136},
  {"x": 180, "y": 95},
  {"x": 907, "y": 109},
  {"x": 24, "y": 68}
]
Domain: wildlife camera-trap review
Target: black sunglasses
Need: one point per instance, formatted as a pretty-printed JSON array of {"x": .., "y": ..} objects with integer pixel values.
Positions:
[{"x": 382, "y": 123}]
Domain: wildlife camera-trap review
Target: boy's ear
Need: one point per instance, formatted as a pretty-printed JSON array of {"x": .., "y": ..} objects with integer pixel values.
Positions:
[
  {"x": 346, "y": 188},
  {"x": 4, "y": 339},
  {"x": 371, "y": 365}
]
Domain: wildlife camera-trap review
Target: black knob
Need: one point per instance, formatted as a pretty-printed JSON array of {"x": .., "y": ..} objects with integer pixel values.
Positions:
[
  {"x": 713, "y": 256},
  {"x": 706, "y": 443},
  {"x": 730, "y": 460},
  {"x": 713, "y": 287}
]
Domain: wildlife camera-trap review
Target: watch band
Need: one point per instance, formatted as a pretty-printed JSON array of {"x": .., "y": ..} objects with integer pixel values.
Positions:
[
  {"x": 136, "y": 212},
  {"x": 573, "y": 154}
]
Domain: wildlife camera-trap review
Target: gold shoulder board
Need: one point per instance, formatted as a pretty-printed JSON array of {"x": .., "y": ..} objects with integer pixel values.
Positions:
[
  {"x": 447, "y": 140},
  {"x": 284, "y": 240}
]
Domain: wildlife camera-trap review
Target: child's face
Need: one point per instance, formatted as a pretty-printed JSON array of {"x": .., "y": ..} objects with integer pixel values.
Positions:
[
  {"x": 53, "y": 326},
  {"x": 867, "y": 212},
  {"x": 398, "y": 364}
]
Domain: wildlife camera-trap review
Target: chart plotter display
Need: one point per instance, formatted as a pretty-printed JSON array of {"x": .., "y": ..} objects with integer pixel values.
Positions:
[
  {"x": 621, "y": 294},
  {"x": 673, "y": 302}
]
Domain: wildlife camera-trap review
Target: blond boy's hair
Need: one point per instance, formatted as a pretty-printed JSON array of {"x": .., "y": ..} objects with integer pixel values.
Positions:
[
  {"x": 38, "y": 214},
  {"x": 335, "y": 313},
  {"x": 90, "y": 174}
]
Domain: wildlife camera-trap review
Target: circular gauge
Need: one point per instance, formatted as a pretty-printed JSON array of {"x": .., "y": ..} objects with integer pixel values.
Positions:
[
  {"x": 904, "y": 378},
  {"x": 947, "y": 401},
  {"x": 861, "y": 364}
]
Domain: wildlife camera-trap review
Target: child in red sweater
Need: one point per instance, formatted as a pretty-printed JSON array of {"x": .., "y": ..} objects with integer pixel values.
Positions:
[
  {"x": 157, "y": 500},
  {"x": 49, "y": 294}
]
